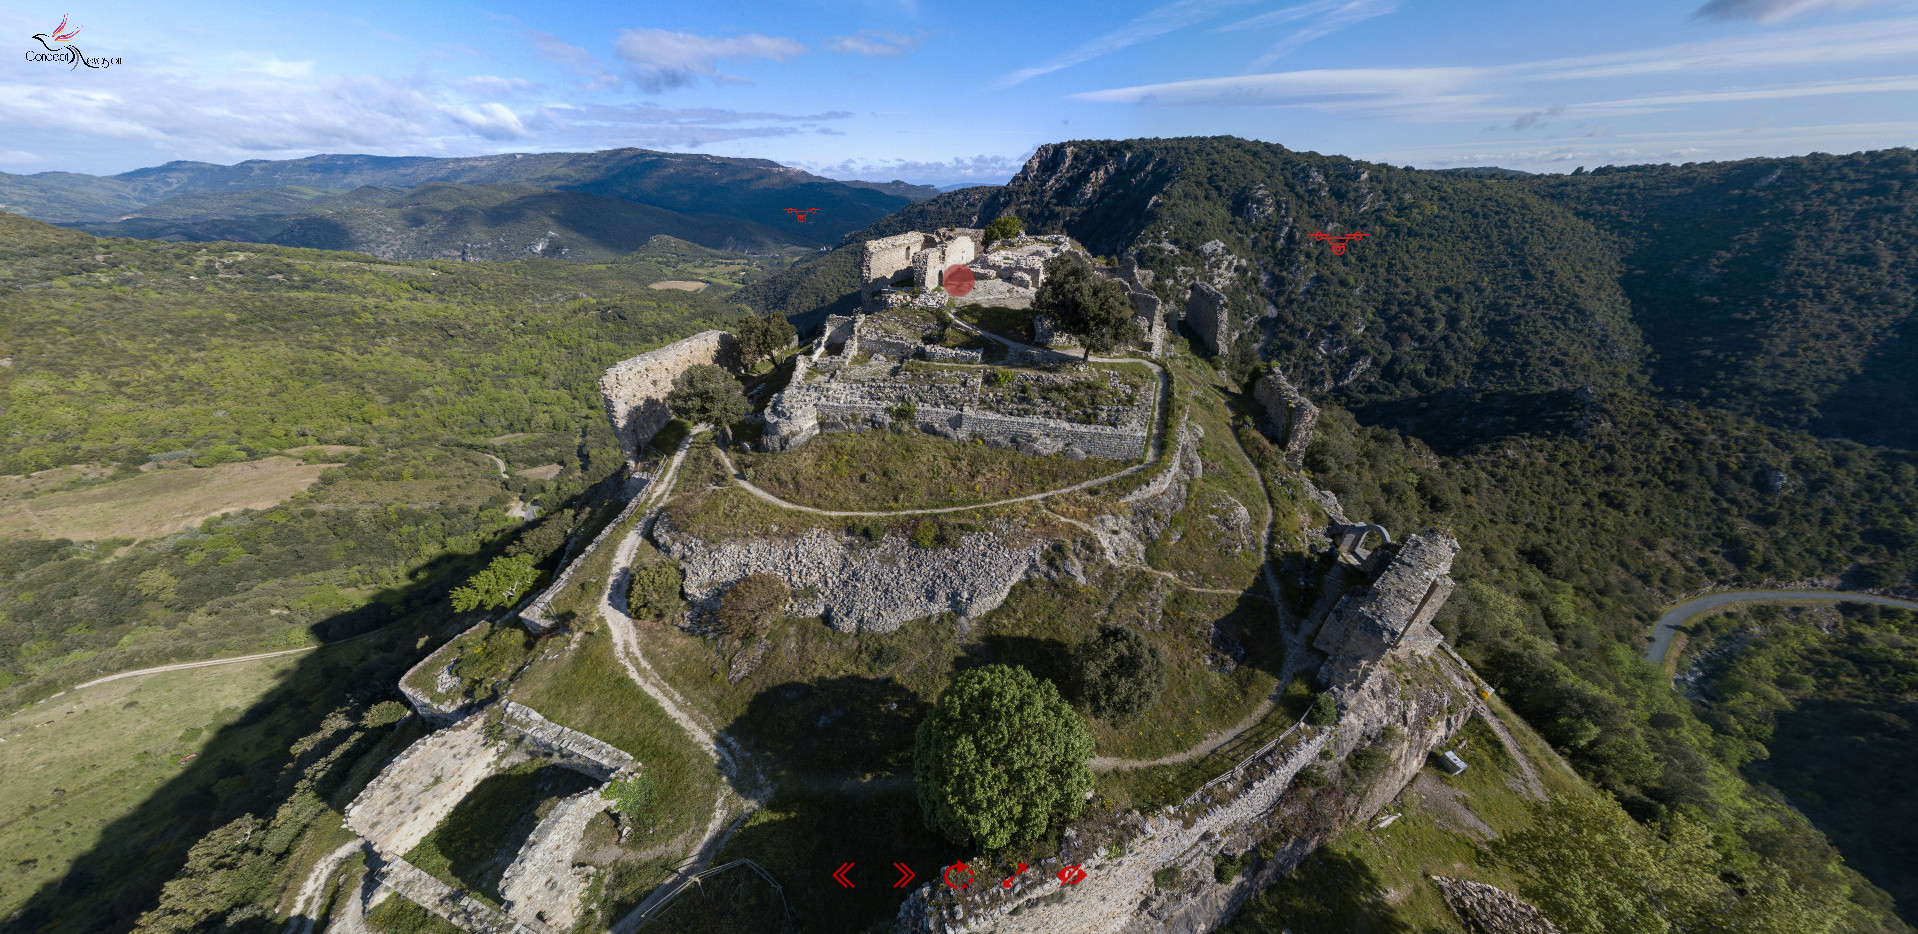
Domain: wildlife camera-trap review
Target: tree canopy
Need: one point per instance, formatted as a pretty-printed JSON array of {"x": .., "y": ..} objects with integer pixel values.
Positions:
[
  {"x": 706, "y": 394},
  {"x": 1120, "y": 673},
  {"x": 501, "y": 583},
  {"x": 1092, "y": 309},
  {"x": 1003, "y": 228},
  {"x": 1000, "y": 758},
  {"x": 761, "y": 336}
]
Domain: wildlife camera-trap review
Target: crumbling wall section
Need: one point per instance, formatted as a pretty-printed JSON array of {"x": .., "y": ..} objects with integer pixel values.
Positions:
[
  {"x": 856, "y": 586},
  {"x": 1397, "y": 607},
  {"x": 422, "y": 785},
  {"x": 568, "y": 747},
  {"x": 544, "y": 884},
  {"x": 1289, "y": 416},
  {"x": 460, "y": 909},
  {"x": 634, "y": 390},
  {"x": 1210, "y": 316}
]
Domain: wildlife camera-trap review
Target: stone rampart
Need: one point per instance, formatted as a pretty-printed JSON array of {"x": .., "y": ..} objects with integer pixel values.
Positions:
[
  {"x": 538, "y": 614},
  {"x": 416, "y": 791},
  {"x": 438, "y": 713},
  {"x": 1289, "y": 416},
  {"x": 1209, "y": 316},
  {"x": 459, "y": 909},
  {"x": 1396, "y": 607},
  {"x": 568, "y": 747},
  {"x": 543, "y": 885},
  {"x": 857, "y": 586},
  {"x": 634, "y": 390}
]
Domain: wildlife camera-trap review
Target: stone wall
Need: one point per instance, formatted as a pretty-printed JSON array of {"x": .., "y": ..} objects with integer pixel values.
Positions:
[
  {"x": 886, "y": 257},
  {"x": 1396, "y": 607},
  {"x": 1209, "y": 316},
  {"x": 461, "y": 910},
  {"x": 568, "y": 747},
  {"x": 439, "y": 713},
  {"x": 634, "y": 390},
  {"x": 422, "y": 785},
  {"x": 1289, "y": 416},
  {"x": 1491, "y": 910},
  {"x": 854, "y": 585},
  {"x": 538, "y": 614},
  {"x": 544, "y": 884}
]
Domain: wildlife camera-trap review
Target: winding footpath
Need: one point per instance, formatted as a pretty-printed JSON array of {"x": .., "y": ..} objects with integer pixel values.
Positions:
[{"x": 1677, "y": 616}]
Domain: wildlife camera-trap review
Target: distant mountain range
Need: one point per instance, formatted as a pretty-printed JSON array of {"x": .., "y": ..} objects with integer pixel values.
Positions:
[{"x": 575, "y": 205}]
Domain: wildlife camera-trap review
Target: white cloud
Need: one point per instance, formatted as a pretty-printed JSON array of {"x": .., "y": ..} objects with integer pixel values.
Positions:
[
  {"x": 493, "y": 84},
  {"x": 580, "y": 62},
  {"x": 874, "y": 44},
  {"x": 982, "y": 169},
  {"x": 279, "y": 69},
  {"x": 1771, "y": 11},
  {"x": 1320, "y": 18},
  {"x": 1156, "y": 23},
  {"x": 490, "y": 120},
  {"x": 14, "y": 156},
  {"x": 663, "y": 59}
]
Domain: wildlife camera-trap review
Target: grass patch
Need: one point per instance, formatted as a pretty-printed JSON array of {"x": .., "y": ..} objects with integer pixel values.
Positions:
[
  {"x": 76, "y": 765},
  {"x": 397, "y": 915},
  {"x": 583, "y": 687},
  {"x": 1015, "y": 323},
  {"x": 872, "y": 470},
  {"x": 157, "y": 503},
  {"x": 472, "y": 847}
]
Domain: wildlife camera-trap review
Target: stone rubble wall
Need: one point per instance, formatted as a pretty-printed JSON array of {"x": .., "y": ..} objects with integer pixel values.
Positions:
[
  {"x": 1400, "y": 603},
  {"x": 422, "y": 785},
  {"x": 634, "y": 390},
  {"x": 857, "y": 586},
  {"x": 544, "y": 884},
  {"x": 435, "y": 712},
  {"x": 1290, "y": 417},
  {"x": 538, "y": 614},
  {"x": 568, "y": 747},
  {"x": 1491, "y": 910},
  {"x": 1209, "y": 316},
  {"x": 462, "y": 911}
]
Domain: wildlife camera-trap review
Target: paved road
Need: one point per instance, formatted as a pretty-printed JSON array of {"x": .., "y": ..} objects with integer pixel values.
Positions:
[{"x": 1677, "y": 616}]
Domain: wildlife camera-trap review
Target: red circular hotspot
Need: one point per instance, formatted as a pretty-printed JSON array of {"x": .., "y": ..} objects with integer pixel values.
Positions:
[{"x": 958, "y": 280}]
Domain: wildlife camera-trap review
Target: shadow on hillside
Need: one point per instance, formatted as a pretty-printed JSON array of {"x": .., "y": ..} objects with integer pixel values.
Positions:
[
  {"x": 1330, "y": 893},
  {"x": 836, "y": 726},
  {"x": 1047, "y": 659},
  {"x": 1454, "y": 421},
  {"x": 306, "y": 733}
]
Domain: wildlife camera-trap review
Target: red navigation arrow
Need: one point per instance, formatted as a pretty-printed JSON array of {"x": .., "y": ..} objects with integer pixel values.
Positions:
[
  {"x": 840, "y": 875},
  {"x": 905, "y": 875}
]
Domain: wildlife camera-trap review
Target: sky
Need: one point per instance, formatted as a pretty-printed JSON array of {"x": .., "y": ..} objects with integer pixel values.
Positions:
[{"x": 950, "y": 93}]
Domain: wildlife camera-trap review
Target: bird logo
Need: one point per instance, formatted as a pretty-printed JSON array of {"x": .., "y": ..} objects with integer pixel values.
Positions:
[{"x": 60, "y": 34}]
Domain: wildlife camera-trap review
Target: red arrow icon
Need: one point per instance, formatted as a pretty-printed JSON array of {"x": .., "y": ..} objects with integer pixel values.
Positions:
[
  {"x": 905, "y": 875},
  {"x": 840, "y": 875}
]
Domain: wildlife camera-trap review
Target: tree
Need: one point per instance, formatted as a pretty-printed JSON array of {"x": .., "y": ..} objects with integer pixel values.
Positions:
[
  {"x": 1324, "y": 711},
  {"x": 1090, "y": 308},
  {"x": 502, "y": 583},
  {"x": 761, "y": 336},
  {"x": 653, "y": 592},
  {"x": 1004, "y": 228},
  {"x": 1000, "y": 758},
  {"x": 706, "y": 394},
  {"x": 749, "y": 607},
  {"x": 1120, "y": 673}
]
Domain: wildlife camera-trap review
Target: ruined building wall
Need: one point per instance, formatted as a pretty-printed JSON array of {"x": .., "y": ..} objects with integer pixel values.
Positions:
[
  {"x": 1209, "y": 316},
  {"x": 1290, "y": 417},
  {"x": 1397, "y": 606},
  {"x": 634, "y": 390},
  {"x": 886, "y": 257}
]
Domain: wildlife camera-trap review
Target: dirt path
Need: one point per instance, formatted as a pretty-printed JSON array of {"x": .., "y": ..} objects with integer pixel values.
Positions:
[
  {"x": 748, "y": 785},
  {"x": 313, "y": 890},
  {"x": 182, "y": 666}
]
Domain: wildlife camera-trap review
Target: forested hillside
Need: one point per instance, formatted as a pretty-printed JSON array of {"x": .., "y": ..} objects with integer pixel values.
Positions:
[{"x": 1499, "y": 356}]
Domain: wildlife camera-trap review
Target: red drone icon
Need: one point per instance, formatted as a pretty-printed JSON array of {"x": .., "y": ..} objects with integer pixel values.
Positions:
[
  {"x": 802, "y": 215},
  {"x": 1338, "y": 243}
]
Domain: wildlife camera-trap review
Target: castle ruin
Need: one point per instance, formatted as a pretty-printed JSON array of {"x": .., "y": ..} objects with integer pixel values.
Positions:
[{"x": 634, "y": 390}]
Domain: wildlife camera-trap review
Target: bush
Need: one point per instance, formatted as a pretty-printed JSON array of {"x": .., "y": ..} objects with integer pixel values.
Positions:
[
  {"x": 706, "y": 394},
  {"x": 1227, "y": 868},
  {"x": 636, "y": 797},
  {"x": 1168, "y": 878},
  {"x": 762, "y": 336},
  {"x": 1003, "y": 228},
  {"x": 749, "y": 607},
  {"x": 1324, "y": 712},
  {"x": 384, "y": 713},
  {"x": 653, "y": 592},
  {"x": 501, "y": 584},
  {"x": 1119, "y": 673},
  {"x": 1000, "y": 759}
]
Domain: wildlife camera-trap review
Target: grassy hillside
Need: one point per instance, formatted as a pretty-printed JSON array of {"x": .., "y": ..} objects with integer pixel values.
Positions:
[{"x": 1491, "y": 362}]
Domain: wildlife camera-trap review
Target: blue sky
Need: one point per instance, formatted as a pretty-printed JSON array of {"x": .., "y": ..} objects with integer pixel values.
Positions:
[{"x": 944, "y": 92}]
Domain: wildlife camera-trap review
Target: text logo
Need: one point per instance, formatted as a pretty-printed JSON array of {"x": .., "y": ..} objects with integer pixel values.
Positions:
[
  {"x": 69, "y": 55},
  {"x": 802, "y": 215}
]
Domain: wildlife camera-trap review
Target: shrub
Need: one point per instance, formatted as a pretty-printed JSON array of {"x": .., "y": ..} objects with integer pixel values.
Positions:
[
  {"x": 1311, "y": 777},
  {"x": 384, "y": 713},
  {"x": 1227, "y": 868},
  {"x": 1000, "y": 758},
  {"x": 1168, "y": 878},
  {"x": 1324, "y": 712},
  {"x": 1119, "y": 673},
  {"x": 1003, "y": 228},
  {"x": 636, "y": 797},
  {"x": 653, "y": 592},
  {"x": 749, "y": 607},
  {"x": 502, "y": 583},
  {"x": 706, "y": 394}
]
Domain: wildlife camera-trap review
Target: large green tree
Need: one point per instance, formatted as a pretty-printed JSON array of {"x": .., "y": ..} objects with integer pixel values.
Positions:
[
  {"x": 1003, "y": 228},
  {"x": 706, "y": 394},
  {"x": 1120, "y": 673},
  {"x": 761, "y": 336},
  {"x": 1000, "y": 758},
  {"x": 1093, "y": 309}
]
